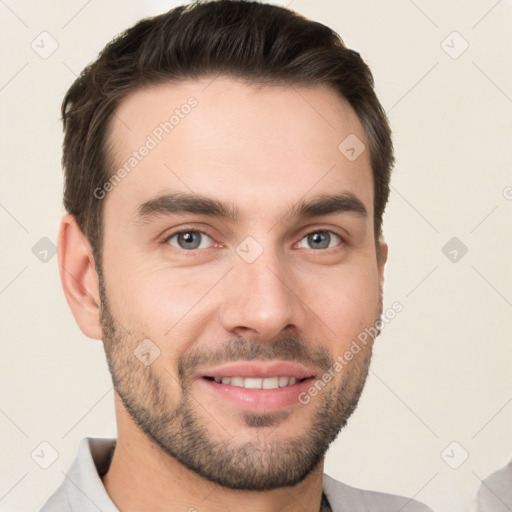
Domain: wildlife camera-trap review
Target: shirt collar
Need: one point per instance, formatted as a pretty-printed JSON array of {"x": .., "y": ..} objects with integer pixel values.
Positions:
[{"x": 82, "y": 488}]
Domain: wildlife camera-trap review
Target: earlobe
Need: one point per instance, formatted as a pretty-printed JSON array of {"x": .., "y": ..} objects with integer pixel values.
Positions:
[{"x": 79, "y": 278}]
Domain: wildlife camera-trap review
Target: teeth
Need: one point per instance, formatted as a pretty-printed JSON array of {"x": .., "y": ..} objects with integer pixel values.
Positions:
[
  {"x": 257, "y": 383},
  {"x": 237, "y": 381},
  {"x": 253, "y": 383},
  {"x": 270, "y": 383},
  {"x": 283, "y": 381}
]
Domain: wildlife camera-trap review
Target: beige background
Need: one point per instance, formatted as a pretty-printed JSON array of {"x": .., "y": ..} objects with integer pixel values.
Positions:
[{"x": 441, "y": 371}]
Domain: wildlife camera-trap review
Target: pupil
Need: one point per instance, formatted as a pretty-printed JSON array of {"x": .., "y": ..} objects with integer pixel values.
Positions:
[
  {"x": 319, "y": 240},
  {"x": 189, "y": 239}
]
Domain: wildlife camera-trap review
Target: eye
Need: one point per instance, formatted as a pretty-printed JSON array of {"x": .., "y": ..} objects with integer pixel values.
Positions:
[
  {"x": 189, "y": 240},
  {"x": 321, "y": 240}
]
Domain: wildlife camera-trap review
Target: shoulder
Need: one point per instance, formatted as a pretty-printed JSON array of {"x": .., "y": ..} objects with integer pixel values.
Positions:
[
  {"x": 82, "y": 488},
  {"x": 343, "y": 498},
  {"x": 495, "y": 493}
]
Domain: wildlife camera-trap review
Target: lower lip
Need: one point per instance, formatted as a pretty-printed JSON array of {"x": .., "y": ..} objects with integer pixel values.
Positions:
[{"x": 258, "y": 400}]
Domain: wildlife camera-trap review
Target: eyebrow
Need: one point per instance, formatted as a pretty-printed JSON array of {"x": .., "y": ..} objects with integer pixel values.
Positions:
[{"x": 181, "y": 203}]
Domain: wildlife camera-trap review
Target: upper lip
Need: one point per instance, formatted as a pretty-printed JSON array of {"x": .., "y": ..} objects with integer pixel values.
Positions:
[{"x": 261, "y": 369}]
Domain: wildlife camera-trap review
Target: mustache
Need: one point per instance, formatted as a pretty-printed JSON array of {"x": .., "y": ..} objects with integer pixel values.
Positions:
[{"x": 290, "y": 348}]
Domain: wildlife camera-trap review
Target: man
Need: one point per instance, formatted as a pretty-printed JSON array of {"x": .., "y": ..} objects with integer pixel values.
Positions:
[{"x": 226, "y": 170}]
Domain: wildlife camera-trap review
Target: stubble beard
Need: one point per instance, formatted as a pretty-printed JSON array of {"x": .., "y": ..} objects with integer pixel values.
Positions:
[{"x": 181, "y": 433}]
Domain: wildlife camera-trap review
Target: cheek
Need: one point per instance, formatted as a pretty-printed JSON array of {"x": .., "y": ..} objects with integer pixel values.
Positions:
[
  {"x": 346, "y": 303},
  {"x": 159, "y": 300}
]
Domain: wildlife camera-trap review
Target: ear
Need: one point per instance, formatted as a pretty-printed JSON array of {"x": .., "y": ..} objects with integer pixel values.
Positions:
[
  {"x": 382, "y": 256},
  {"x": 79, "y": 278}
]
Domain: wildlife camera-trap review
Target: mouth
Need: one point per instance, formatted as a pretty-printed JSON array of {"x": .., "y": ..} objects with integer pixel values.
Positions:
[{"x": 258, "y": 386}]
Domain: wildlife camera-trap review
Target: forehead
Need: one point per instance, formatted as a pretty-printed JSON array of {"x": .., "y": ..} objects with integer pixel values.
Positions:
[{"x": 258, "y": 145}]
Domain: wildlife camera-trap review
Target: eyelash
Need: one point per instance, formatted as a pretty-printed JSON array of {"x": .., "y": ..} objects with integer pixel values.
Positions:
[{"x": 195, "y": 230}]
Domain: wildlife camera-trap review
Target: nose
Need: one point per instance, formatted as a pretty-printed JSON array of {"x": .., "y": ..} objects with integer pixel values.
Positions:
[{"x": 260, "y": 299}]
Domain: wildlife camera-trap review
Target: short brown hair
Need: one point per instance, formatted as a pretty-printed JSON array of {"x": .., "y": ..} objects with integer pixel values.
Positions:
[{"x": 242, "y": 39}]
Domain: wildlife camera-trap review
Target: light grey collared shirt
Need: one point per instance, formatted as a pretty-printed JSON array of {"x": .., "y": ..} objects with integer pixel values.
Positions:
[
  {"x": 82, "y": 489},
  {"x": 495, "y": 493}
]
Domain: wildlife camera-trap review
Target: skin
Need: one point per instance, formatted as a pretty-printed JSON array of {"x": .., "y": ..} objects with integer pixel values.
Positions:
[{"x": 261, "y": 149}]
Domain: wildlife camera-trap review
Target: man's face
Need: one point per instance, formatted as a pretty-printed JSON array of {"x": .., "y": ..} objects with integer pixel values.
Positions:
[{"x": 267, "y": 295}]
